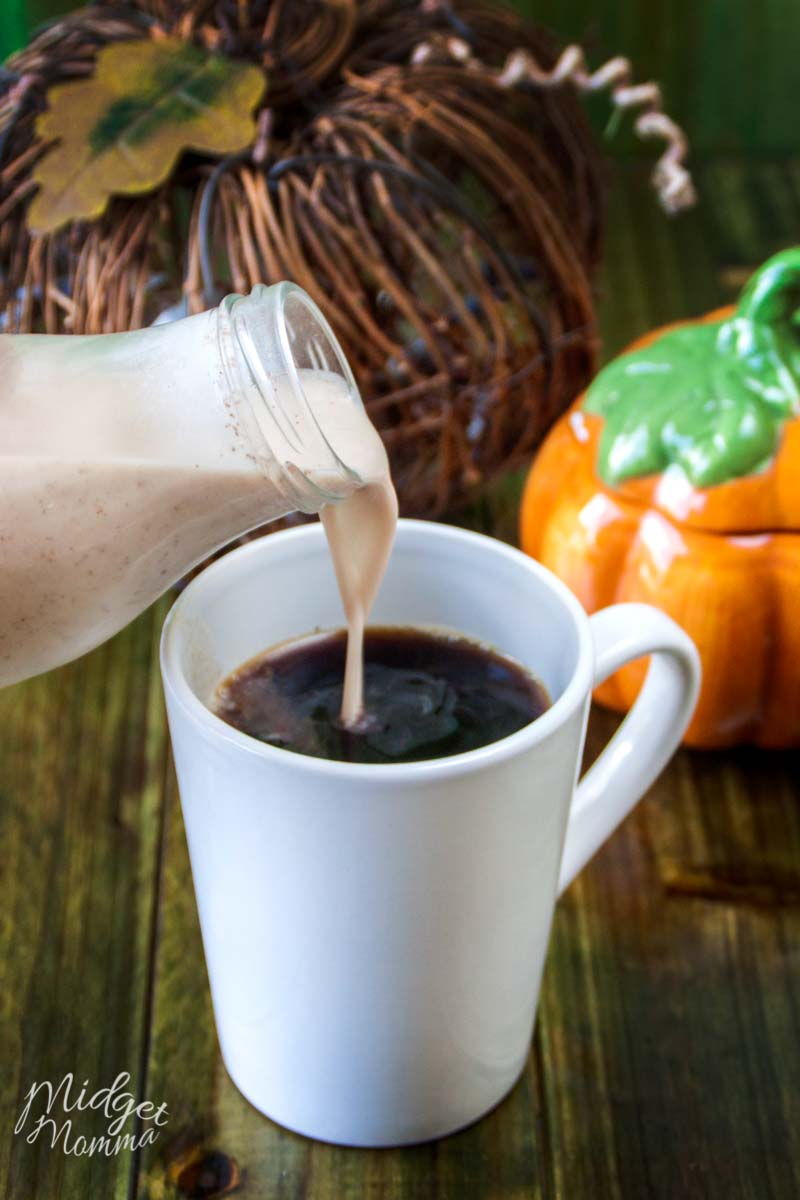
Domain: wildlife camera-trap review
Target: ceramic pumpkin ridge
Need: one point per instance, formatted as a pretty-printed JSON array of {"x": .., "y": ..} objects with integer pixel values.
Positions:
[{"x": 722, "y": 558}]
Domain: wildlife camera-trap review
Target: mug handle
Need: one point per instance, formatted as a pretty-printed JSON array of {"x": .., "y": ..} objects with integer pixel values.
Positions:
[{"x": 649, "y": 735}]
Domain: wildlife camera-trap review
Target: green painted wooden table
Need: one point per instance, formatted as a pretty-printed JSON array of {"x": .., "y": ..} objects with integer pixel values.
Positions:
[{"x": 666, "y": 1060}]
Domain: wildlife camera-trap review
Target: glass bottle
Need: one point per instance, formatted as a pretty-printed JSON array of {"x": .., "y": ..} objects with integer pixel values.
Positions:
[{"x": 125, "y": 459}]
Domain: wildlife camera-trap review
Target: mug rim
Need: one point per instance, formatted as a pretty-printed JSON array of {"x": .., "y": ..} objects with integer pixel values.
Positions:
[{"x": 490, "y": 755}]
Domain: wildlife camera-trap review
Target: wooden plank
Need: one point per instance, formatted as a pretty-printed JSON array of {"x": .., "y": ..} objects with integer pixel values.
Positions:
[
  {"x": 669, "y": 1012},
  {"x": 82, "y": 759},
  {"x": 726, "y": 67},
  {"x": 648, "y": 1013},
  {"x": 670, "y": 1015}
]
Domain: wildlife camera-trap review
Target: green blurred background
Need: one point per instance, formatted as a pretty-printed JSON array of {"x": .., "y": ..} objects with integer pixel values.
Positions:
[{"x": 727, "y": 67}]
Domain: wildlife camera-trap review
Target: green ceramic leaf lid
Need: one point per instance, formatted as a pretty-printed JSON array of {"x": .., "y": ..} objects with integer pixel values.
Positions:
[{"x": 702, "y": 417}]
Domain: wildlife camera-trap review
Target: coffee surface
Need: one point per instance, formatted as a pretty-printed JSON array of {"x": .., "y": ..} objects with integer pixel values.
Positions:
[{"x": 427, "y": 695}]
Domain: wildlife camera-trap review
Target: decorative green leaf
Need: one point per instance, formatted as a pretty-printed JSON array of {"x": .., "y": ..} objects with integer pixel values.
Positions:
[
  {"x": 121, "y": 131},
  {"x": 709, "y": 398}
]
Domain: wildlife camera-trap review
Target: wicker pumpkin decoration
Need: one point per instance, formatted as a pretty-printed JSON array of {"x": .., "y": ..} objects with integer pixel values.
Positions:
[
  {"x": 443, "y": 211},
  {"x": 676, "y": 481}
]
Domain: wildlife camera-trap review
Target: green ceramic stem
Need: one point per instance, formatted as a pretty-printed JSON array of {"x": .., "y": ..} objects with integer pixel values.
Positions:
[{"x": 772, "y": 295}]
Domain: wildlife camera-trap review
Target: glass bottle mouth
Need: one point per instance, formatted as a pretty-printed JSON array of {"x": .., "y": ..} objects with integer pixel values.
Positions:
[{"x": 271, "y": 341}]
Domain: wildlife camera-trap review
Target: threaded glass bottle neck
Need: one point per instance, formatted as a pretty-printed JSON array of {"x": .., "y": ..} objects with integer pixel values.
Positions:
[{"x": 274, "y": 345}]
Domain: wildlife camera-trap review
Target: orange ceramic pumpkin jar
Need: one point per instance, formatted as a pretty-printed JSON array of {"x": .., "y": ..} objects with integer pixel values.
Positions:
[{"x": 675, "y": 480}]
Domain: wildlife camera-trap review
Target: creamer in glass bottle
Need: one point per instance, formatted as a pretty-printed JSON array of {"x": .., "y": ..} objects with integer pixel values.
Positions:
[{"x": 127, "y": 458}]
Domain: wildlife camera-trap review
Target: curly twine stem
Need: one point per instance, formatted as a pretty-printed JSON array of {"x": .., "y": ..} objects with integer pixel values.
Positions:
[{"x": 670, "y": 178}]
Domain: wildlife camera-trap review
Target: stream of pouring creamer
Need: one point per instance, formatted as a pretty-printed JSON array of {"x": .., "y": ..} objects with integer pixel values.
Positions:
[{"x": 360, "y": 529}]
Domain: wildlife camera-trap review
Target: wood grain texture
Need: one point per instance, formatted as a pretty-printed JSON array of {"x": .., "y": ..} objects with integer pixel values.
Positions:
[
  {"x": 83, "y": 753},
  {"x": 666, "y": 1059},
  {"x": 726, "y": 67}
]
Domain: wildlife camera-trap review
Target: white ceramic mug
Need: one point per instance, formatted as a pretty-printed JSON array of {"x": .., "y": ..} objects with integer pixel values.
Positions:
[{"x": 375, "y": 934}]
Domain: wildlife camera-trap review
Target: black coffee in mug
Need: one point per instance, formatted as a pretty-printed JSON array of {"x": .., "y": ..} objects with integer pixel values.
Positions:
[{"x": 427, "y": 695}]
